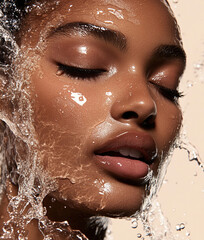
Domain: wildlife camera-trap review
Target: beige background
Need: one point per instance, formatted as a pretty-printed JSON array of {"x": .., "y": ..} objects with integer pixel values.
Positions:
[{"x": 182, "y": 194}]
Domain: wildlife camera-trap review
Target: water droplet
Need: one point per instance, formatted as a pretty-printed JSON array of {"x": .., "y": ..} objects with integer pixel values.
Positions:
[
  {"x": 198, "y": 66},
  {"x": 72, "y": 180},
  {"x": 1, "y": 14},
  {"x": 180, "y": 226},
  {"x": 70, "y": 7},
  {"x": 139, "y": 235},
  {"x": 59, "y": 72},
  {"x": 108, "y": 93},
  {"x": 134, "y": 223}
]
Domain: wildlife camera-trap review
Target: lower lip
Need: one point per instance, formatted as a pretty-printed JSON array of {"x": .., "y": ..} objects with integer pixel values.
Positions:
[{"x": 125, "y": 168}]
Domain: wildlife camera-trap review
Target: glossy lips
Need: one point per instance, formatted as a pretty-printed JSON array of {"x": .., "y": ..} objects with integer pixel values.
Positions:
[{"x": 128, "y": 156}]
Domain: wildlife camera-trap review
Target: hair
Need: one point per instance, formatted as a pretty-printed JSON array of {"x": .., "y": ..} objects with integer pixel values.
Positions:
[{"x": 12, "y": 11}]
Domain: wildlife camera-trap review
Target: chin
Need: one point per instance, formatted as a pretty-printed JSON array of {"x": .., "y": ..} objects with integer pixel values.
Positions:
[
  {"x": 120, "y": 203},
  {"x": 123, "y": 207},
  {"x": 123, "y": 201}
]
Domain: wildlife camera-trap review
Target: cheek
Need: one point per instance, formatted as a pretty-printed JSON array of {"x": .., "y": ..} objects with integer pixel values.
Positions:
[
  {"x": 72, "y": 106},
  {"x": 64, "y": 117},
  {"x": 168, "y": 123}
]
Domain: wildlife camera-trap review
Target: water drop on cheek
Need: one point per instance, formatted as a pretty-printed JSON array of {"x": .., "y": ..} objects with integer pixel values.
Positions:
[
  {"x": 70, "y": 8},
  {"x": 59, "y": 72}
]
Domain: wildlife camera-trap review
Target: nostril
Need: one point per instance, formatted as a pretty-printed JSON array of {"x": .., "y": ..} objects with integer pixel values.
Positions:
[
  {"x": 149, "y": 122},
  {"x": 129, "y": 115}
]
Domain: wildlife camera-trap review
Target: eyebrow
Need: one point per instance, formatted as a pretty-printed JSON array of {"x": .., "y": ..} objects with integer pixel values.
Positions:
[
  {"x": 170, "y": 52},
  {"x": 116, "y": 38}
]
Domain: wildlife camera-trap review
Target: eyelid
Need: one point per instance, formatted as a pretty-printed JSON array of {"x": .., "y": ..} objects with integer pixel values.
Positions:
[
  {"x": 164, "y": 68},
  {"x": 79, "y": 72}
]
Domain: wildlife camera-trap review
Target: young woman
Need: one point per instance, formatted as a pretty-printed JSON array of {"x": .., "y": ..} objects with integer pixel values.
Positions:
[{"x": 89, "y": 109}]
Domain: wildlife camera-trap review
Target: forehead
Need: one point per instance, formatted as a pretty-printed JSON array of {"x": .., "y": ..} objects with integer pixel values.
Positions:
[
  {"x": 122, "y": 15},
  {"x": 119, "y": 9}
]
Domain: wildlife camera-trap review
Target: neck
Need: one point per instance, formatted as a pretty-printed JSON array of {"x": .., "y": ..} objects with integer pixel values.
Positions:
[{"x": 93, "y": 227}]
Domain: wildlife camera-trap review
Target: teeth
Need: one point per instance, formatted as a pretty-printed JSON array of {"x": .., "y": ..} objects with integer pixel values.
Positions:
[
  {"x": 124, "y": 151},
  {"x": 135, "y": 154},
  {"x": 130, "y": 152}
]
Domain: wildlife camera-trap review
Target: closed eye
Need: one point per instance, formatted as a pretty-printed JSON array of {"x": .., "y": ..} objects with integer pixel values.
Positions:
[
  {"x": 80, "y": 73},
  {"x": 172, "y": 94}
]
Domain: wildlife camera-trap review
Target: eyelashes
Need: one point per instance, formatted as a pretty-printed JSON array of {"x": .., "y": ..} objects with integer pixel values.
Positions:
[
  {"x": 80, "y": 73},
  {"x": 171, "y": 94},
  {"x": 91, "y": 74}
]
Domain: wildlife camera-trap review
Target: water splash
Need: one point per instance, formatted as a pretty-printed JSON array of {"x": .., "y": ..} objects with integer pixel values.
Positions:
[
  {"x": 183, "y": 143},
  {"x": 17, "y": 130},
  {"x": 155, "y": 224}
]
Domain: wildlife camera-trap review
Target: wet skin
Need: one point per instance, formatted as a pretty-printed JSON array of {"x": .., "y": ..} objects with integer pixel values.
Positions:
[{"x": 77, "y": 111}]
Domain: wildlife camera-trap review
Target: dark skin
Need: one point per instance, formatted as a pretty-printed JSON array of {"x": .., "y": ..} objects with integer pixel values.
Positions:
[{"x": 137, "y": 75}]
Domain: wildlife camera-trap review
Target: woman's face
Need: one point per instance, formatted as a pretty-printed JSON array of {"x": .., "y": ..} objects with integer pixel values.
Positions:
[{"x": 104, "y": 98}]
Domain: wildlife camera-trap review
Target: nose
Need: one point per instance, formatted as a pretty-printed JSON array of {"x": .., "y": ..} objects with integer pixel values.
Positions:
[{"x": 135, "y": 105}]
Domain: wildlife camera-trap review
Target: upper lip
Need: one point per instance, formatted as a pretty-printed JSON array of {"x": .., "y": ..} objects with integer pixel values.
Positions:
[{"x": 140, "y": 143}]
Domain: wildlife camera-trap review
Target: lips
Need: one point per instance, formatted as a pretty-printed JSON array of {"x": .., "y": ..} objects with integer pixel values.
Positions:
[{"x": 128, "y": 156}]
